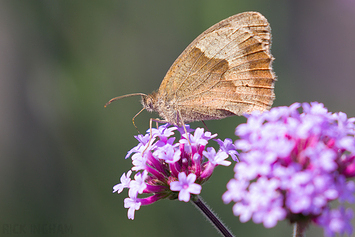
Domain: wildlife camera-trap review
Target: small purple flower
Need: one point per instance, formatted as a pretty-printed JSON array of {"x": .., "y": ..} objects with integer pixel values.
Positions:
[
  {"x": 163, "y": 132},
  {"x": 125, "y": 181},
  {"x": 168, "y": 153},
  {"x": 182, "y": 130},
  {"x": 139, "y": 161},
  {"x": 228, "y": 146},
  {"x": 138, "y": 184},
  {"x": 169, "y": 169},
  {"x": 186, "y": 186},
  {"x": 216, "y": 158},
  {"x": 133, "y": 204},
  {"x": 143, "y": 141},
  {"x": 298, "y": 163},
  {"x": 199, "y": 138}
]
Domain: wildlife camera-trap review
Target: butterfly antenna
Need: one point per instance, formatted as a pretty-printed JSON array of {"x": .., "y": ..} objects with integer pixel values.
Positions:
[{"x": 123, "y": 96}]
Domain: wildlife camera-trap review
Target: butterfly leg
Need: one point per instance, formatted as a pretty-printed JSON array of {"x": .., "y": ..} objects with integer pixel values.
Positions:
[
  {"x": 183, "y": 125},
  {"x": 135, "y": 117},
  {"x": 151, "y": 129},
  {"x": 205, "y": 125}
]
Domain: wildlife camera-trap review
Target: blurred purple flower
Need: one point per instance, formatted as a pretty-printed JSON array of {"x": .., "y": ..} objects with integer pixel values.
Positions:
[
  {"x": 169, "y": 169},
  {"x": 293, "y": 165},
  {"x": 336, "y": 221}
]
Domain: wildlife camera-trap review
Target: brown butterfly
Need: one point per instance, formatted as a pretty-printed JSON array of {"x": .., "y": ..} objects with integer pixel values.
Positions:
[{"x": 225, "y": 71}]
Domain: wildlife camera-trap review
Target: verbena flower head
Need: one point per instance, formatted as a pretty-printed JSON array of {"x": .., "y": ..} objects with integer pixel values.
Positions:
[
  {"x": 169, "y": 169},
  {"x": 293, "y": 165}
]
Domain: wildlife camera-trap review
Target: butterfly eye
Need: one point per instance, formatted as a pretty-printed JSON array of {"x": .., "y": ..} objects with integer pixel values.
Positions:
[{"x": 148, "y": 103}]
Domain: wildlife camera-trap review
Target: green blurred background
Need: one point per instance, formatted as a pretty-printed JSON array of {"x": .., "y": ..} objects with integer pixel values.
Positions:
[{"x": 62, "y": 60}]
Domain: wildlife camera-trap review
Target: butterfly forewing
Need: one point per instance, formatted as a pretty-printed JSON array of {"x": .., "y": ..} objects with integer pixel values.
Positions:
[{"x": 225, "y": 71}]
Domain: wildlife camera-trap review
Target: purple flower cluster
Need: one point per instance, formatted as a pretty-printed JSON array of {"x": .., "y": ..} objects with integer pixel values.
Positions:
[
  {"x": 171, "y": 170},
  {"x": 293, "y": 165}
]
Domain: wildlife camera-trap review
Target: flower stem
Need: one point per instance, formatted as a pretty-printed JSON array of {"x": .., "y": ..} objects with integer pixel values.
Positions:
[
  {"x": 217, "y": 223},
  {"x": 299, "y": 229}
]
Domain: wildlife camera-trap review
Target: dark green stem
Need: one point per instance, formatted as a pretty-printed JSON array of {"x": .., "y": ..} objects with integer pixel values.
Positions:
[
  {"x": 299, "y": 229},
  {"x": 217, "y": 223}
]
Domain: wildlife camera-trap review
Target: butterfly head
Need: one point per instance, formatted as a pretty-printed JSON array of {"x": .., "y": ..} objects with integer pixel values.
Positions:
[{"x": 149, "y": 102}]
